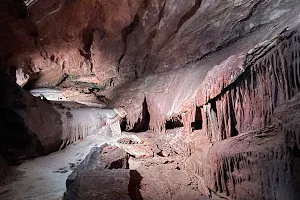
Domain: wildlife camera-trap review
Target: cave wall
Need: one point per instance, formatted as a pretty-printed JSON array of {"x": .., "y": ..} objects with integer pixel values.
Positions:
[
  {"x": 119, "y": 41},
  {"x": 266, "y": 82},
  {"x": 30, "y": 127},
  {"x": 248, "y": 145},
  {"x": 237, "y": 61},
  {"x": 252, "y": 127}
]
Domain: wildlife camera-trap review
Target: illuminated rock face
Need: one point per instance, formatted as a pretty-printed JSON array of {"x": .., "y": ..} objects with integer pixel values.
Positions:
[
  {"x": 225, "y": 71},
  {"x": 118, "y": 41},
  {"x": 248, "y": 144}
]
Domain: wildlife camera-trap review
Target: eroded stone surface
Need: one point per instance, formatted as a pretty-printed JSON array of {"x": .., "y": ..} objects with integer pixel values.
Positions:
[
  {"x": 113, "y": 42},
  {"x": 103, "y": 174},
  {"x": 30, "y": 126},
  {"x": 232, "y": 66}
]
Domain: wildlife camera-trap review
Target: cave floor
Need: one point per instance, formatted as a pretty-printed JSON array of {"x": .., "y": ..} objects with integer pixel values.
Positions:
[
  {"x": 161, "y": 177},
  {"x": 45, "y": 177}
]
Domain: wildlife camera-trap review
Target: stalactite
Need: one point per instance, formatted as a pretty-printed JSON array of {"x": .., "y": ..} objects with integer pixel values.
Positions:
[
  {"x": 245, "y": 89},
  {"x": 227, "y": 172},
  {"x": 249, "y": 101},
  {"x": 80, "y": 123}
]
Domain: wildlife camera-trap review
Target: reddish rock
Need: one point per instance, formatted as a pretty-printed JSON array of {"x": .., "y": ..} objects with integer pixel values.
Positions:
[
  {"x": 103, "y": 174},
  {"x": 31, "y": 127},
  {"x": 100, "y": 184},
  {"x": 118, "y": 41}
]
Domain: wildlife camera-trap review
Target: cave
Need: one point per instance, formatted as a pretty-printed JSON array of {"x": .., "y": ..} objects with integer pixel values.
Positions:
[{"x": 149, "y": 99}]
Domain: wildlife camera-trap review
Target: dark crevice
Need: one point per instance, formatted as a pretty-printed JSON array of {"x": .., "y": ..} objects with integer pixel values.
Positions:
[
  {"x": 142, "y": 125},
  {"x": 295, "y": 168},
  {"x": 17, "y": 142},
  {"x": 87, "y": 40},
  {"x": 123, "y": 125},
  {"x": 129, "y": 29},
  {"x": 118, "y": 164},
  {"x": 214, "y": 108},
  {"x": 134, "y": 185},
  {"x": 188, "y": 15},
  {"x": 13, "y": 72},
  {"x": 136, "y": 74},
  {"x": 197, "y": 124},
  {"x": 174, "y": 123},
  {"x": 233, "y": 131},
  {"x": 296, "y": 152}
]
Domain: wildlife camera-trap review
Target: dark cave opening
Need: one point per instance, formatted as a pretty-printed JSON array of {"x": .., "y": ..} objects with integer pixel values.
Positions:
[
  {"x": 141, "y": 125},
  {"x": 175, "y": 122},
  {"x": 87, "y": 40},
  {"x": 197, "y": 124},
  {"x": 296, "y": 152}
]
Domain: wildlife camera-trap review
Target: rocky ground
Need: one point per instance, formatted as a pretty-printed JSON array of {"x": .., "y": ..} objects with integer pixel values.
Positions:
[
  {"x": 103, "y": 171},
  {"x": 110, "y": 172},
  {"x": 45, "y": 177}
]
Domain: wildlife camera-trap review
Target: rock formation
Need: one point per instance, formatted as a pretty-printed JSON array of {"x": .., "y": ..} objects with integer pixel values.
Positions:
[
  {"x": 214, "y": 82},
  {"x": 103, "y": 174}
]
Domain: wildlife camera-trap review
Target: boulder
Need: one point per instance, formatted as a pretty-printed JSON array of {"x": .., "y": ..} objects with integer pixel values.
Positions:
[
  {"x": 97, "y": 184},
  {"x": 29, "y": 125},
  {"x": 103, "y": 174}
]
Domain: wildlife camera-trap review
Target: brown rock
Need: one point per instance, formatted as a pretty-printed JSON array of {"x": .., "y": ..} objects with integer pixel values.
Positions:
[
  {"x": 100, "y": 184},
  {"x": 31, "y": 127},
  {"x": 119, "y": 41},
  {"x": 103, "y": 174}
]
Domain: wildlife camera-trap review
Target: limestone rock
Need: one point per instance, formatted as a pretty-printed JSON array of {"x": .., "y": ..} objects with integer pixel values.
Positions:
[
  {"x": 100, "y": 184},
  {"x": 120, "y": 41},
  {"x": 103, "y": 157},
  {"x": 30, "y": 126},
  {"x": 103, "y": 174}
]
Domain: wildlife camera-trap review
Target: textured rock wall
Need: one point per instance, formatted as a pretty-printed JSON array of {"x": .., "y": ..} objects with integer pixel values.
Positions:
[
  {"x": 248, "y": 145},
  {"x": 32, "y": 127},
  {"x": 254, "y": 165},
  {"x": 259, "y": 115},
  {"x": 267, "y": 82},
  {"x": 226, "y": 93},
  {"x": 119, "y": 41},
  {"x": 29, "y": 126}
]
